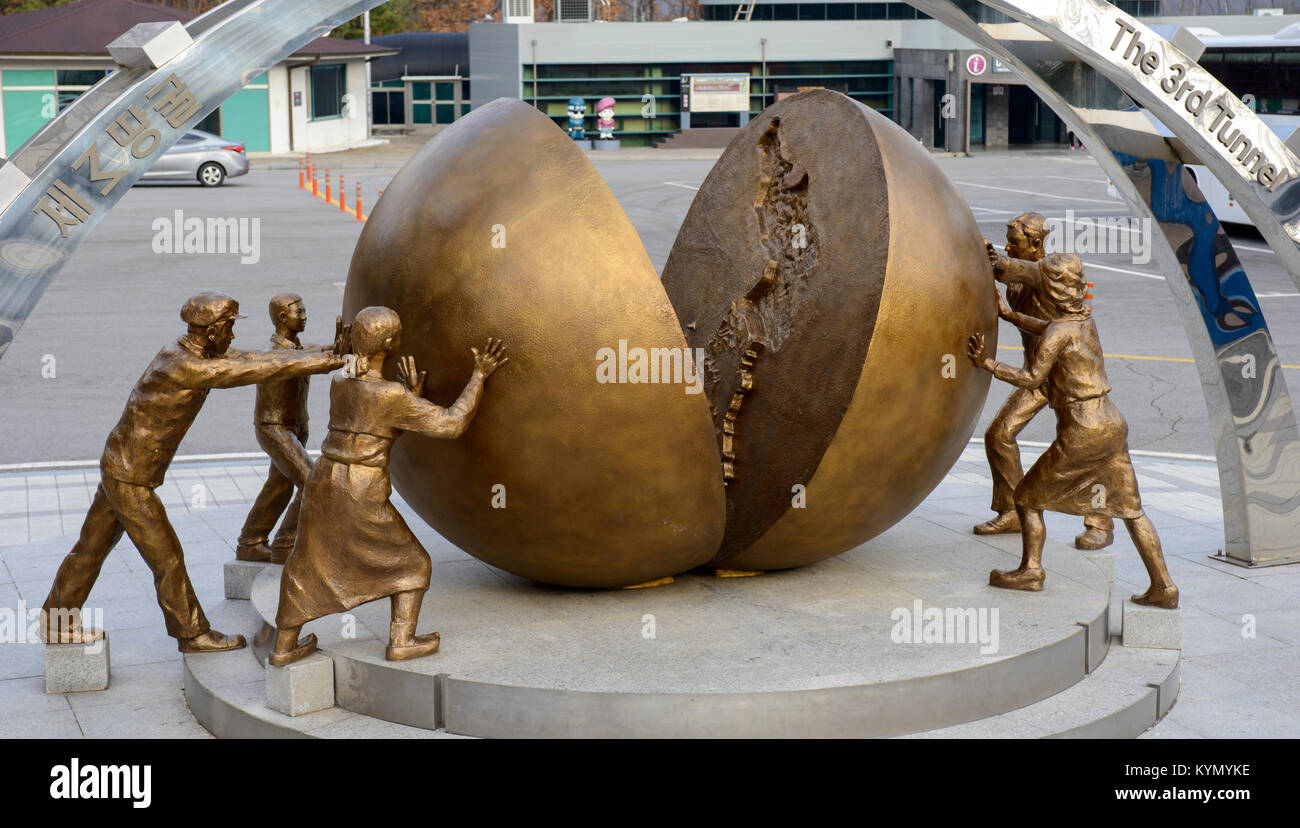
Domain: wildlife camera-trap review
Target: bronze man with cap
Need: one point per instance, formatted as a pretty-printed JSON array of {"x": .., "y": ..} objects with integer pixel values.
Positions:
[
  {"x": 159, "y": 412},
  {"x": 280, "y": 421},
  {"x": 1018, "y": 270},
  {"x": 1087, "y": 470}
]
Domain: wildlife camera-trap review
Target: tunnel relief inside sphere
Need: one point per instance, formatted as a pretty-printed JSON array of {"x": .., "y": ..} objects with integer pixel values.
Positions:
[{"x": 826, "y": 267}]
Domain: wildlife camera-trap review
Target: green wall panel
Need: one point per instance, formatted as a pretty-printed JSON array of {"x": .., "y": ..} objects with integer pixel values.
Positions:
[
  {"x": 25, "y": 113},
  {"x": 246, "y": 117},
  {"x": 28, "y": 77}
]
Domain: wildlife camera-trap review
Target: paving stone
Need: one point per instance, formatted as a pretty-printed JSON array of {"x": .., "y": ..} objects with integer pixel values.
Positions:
[
  {"x": 28, "y": 697},
  {"x": 168, "y": 718},
  {"x": 137, "y": 684},
  {"x": 57, "y": 724},
  {"x": 1170, "y": 728}
]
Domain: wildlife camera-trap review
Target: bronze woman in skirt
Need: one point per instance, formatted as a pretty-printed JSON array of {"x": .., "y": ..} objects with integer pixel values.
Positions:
[
  {"x": 353, "y": 547},
  {"x": 1086, "y": 471}
]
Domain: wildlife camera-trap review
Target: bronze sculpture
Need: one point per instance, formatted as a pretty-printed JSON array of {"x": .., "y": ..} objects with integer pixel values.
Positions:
[
  {"x": 603, "y": 484},
  {"x": 831, "y": 273},
  {"x": 280, "y": 423},
  {"x": 353, "y": 546},
  {"x": 1086, "y": 470},
  {"x": 163, "y": 404},
  {"x": 1026, "y": 235},
  {"x": 819, "y": 226}
]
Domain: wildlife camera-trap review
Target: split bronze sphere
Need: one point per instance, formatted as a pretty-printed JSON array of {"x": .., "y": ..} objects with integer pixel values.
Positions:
[{"x": 792, "y": 387}]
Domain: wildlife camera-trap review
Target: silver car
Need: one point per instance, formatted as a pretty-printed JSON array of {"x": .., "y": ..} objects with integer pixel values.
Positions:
[{"x": 201, "y": 155}]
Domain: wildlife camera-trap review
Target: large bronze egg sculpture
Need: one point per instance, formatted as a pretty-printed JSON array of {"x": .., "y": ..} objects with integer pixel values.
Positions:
[
  {"x": 825, "y": 281},
  {"x": 500, "y": 227},
  {"x": 833, "y": 274}
]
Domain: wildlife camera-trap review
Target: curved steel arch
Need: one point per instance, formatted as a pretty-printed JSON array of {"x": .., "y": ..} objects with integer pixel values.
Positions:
[
  {"x": 1253, "y": 424},
  {"x": 61, "y": 182},
  {"x": 1098, "y": 34}
]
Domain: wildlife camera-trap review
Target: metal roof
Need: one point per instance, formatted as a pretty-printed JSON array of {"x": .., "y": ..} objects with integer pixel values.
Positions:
[
  {"x": 86, "y": 28},
  {"x": 422, "y": 53}
]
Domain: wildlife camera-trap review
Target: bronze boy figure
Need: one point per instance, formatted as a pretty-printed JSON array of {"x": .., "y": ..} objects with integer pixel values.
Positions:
[
  {"x": 1087, "y": 470},
  {"x": 280, "y": 420},
  {"x": 1018, "y": 270},
  {"x": 353, "y": 546},
  {"x": 161, "y": 408}
]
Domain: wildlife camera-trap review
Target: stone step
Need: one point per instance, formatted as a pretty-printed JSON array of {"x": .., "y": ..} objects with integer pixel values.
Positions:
[
  {"x": 544, "y": 663},
  {"x": 806, "y": 653},
  {"x": 697, "y": 138},
  {"x": 226, "y": 692},
  {"x": 1131, "y": 691}
]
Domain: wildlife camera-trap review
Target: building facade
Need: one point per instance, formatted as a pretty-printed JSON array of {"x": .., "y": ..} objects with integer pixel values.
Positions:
[
  {"x": 646, "y": 67},
  {"x": 424, "y": 84},
  {"x": 939, "y": 86}
]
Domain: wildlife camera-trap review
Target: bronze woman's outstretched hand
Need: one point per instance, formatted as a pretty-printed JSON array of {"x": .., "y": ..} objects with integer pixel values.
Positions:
[{"x": 491, "y": 358}]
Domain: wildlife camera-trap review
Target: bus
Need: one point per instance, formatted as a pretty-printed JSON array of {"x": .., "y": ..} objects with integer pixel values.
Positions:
[{"x": 1264, "y": 72}]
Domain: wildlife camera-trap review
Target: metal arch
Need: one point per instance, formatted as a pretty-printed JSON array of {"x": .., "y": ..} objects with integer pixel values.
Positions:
[
  {"x": 1088, "y": 28},
  {"x": 1255, "y": 435},
  {"x": 78, "y": 169}
]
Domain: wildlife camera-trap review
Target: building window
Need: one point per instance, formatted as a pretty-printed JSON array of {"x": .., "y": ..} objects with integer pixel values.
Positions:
[
  {"x": 328, "y": 84},
  {"x": 80, "y": 77}
]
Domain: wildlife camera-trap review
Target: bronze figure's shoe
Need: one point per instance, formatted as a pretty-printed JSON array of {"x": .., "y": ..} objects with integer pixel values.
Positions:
[
  {"x": 1006, "y": 523},
  {"x": 1094, "y": 538},
  {"x": 211, "y": 642},
  {"x": 306, "y": 646},
  {"x": 76, "y": 635},
  {"x": 1026, "y": 579},
  {"x": 1163, "y": 597},
  {"x": 418, "y": 647},
  {"x": 253, "y": 552},
  {"x": 280, "y": 553}
]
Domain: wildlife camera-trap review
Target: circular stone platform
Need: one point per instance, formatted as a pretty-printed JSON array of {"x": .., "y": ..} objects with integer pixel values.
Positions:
[{"x": 813, "y": 652}]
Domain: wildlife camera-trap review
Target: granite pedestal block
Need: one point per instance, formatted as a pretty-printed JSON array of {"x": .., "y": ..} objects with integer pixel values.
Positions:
[
  {"x": 305, "y": 686},
  {"x": 611, "y": 144},
  {"x": 76, "y": 668},
  {"x": 1152, "y": 627},
  {"x": 240, "y": 576}
]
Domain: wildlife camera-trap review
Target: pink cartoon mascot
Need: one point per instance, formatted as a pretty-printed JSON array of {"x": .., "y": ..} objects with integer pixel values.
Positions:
[{"x": 605, "y": 118}]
